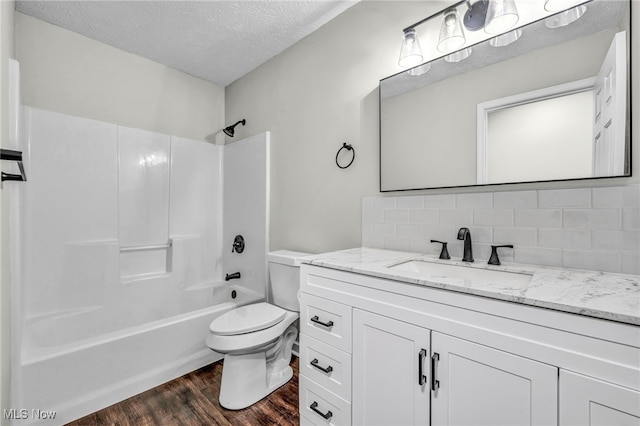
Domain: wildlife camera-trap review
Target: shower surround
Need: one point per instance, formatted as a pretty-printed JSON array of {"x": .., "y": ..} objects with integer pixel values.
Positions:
[{"x": 119, "y": 250}]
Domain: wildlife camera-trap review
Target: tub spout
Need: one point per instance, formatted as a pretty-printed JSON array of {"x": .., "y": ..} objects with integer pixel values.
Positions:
[{"x": 233, "y": 276}]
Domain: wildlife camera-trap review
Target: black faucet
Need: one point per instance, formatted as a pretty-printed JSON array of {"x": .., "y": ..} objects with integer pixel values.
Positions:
[
  {"x": 465, "y": 234},
  {"x": 233, "y": 276}
]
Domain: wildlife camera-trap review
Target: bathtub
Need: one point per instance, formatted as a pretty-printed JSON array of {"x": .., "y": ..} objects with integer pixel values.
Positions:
[{"x": 77, "y": 362}]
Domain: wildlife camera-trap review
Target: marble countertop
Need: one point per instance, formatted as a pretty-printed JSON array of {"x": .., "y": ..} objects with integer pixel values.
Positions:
[{"x": 609, "y": 296}]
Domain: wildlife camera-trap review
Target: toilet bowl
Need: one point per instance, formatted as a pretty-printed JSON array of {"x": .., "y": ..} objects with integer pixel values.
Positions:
[{"x": 257, "y": 339}]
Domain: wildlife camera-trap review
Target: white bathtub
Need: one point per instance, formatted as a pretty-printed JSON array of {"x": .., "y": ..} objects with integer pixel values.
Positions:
[{"x": 74, "y": 365}]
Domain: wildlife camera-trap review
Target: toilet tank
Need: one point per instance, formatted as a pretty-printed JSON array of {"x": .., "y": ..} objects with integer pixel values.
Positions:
[{"x": 284, "y": 274}]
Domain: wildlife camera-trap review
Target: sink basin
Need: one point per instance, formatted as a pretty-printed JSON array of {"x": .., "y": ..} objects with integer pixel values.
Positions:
[{"x": 502, "y": 278}]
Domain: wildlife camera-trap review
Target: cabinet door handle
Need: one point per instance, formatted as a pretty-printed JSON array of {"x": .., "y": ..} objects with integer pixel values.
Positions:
[
  {"x": 422, "y": 379},
  {"x": 435, "y": 384},
  {"x": 325, "y": 416},
  {"x": 314, "y": 363},
  {"x": 328, "y": 324}
]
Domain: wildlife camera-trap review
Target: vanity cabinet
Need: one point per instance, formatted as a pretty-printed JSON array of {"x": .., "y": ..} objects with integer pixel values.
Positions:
[
  {"x": 376, "y": 351},
  {"x": 390, "y": 371},
  {"x": 481, "y": 386},
  {"x": 585, "y": 401}
]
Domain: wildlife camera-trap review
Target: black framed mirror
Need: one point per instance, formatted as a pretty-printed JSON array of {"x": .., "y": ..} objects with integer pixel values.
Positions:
[{"x": 554, "y": 105}]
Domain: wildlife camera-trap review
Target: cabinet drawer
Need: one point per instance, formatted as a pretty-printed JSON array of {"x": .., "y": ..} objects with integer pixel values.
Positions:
[
  {"x": 321, "y": 407},
  {"x": 326, "y": 320},
  {"x": 327, "y": 366}
]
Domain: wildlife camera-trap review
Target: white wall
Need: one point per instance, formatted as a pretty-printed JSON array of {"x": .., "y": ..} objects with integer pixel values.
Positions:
[
  {"x": 6, "y": 52},
  {"x": 65, "y": 72},
  {"x": 323, "y": 91}
]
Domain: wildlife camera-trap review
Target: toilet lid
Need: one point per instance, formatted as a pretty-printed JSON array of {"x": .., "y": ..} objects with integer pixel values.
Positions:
[{"x": 246, "y": 319}]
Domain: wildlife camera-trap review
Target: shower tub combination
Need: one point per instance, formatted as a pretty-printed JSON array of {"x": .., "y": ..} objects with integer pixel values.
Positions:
[
  {"x": 67, "y": 370},
  {"x": 117, "y": 263}
]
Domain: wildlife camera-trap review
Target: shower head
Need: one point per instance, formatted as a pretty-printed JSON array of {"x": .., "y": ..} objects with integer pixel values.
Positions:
[{"x": 229, "y": 131}]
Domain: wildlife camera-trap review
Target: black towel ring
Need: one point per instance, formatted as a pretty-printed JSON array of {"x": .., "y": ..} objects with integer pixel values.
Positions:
[{"x": 348, "y": 147}]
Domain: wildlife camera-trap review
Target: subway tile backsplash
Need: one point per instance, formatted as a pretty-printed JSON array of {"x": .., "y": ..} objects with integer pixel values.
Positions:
[{"x": 585, "y": 228}]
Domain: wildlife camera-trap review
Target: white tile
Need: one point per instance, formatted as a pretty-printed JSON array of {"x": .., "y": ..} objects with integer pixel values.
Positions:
[
  {"x": 410, "y": 202},
  {"x": 411, "y": 231},
  {"x": 372, "y": 241},
  {"x": 440, "y": 232},
  {"x": 481, "y": 234},
  {"x": 423, "y": 246},
  {"x": 396, "y": 216},
  {"x": 607, "y": 239},
  {"x": 631, "y": 263},
  {"x": 482, "y": 252},
  {"x": 516, "y": 236},
  {"x": 387, "y": 203},
  {"x": 515, "y": 200},
  {"x": 631, "y": 218},
  {"x": 439, "y": 201},
  {"x": 384, "y": 230},
  {"x": 564, "y": 238},
  {"x": 604, "y": 261},
  {"x": 394, "y": 243},
  {"x": 493, "y": 217},
  {"x": 424, "y": 216},
  {"x": 456, "y": 217},
  {"x": 592, "y": 219},
  {"x": 538, "y": 218},
  {"x": 373, "y": 215},
  {"x": 617, "y": 196},
  {"x": 367, "y": 202},
  {"x": 479, "y": 200},
  {"x": 564, "y": 198},
  {"x": 631, "y": 240},
  {"x": 538, "y": 256}
]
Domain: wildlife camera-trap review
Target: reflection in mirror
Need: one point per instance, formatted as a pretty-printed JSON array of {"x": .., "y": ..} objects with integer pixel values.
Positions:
[{"x": 550, "y": 105}]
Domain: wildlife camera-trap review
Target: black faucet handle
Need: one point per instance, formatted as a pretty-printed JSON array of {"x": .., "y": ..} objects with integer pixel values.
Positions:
[
  {"x": 494, "y": 259},
  {"x": 444, "y": 253}
]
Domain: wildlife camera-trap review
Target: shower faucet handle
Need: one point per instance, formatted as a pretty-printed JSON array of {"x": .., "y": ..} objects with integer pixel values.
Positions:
[{"x": 238, "y": 244}]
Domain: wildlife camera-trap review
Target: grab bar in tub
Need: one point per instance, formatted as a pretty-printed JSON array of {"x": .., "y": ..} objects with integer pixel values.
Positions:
[
  {"x": 169, "y": 244},
  {"x": 10, "y": 155}
]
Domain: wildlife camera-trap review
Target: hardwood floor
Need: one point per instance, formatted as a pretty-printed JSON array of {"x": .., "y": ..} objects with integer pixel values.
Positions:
[{"x": 193, "y": 400}]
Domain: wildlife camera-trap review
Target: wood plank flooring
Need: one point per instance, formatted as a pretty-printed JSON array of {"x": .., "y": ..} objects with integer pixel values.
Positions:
[{"x": 193, "y": 400}]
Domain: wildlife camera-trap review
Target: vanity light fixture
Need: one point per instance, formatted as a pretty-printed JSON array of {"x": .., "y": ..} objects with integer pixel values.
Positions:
[
  {"x": 422, "y": 69},
  {"x": 558, "y": 5},
  {"x": 458, "y": 56},
  {"x": 565, "y": 18},
  {"x": 451, "y": 35},
  {"x": 410, "y": 52},
  {"x": 501, "y": 16},
  {"x": 506, "y": 38}
]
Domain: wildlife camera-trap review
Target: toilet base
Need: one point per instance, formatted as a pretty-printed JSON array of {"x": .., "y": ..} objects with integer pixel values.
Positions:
[{"x": 248, "y": 378}]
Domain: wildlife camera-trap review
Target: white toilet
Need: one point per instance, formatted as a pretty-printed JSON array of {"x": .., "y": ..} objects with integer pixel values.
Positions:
[{"x": 257, "y": 339}]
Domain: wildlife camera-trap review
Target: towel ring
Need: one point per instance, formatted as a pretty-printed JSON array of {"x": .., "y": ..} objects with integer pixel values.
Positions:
[{"x": 348, "y": 147}]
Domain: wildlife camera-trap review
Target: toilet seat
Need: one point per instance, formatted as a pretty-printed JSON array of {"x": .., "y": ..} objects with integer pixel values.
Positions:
[
  {"x": 248, "y": 342},
  {"x": 247, "y": 319}
]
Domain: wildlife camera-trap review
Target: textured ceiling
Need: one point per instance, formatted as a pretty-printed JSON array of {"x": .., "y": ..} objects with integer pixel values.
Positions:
[{"x": 217, "y": 40}]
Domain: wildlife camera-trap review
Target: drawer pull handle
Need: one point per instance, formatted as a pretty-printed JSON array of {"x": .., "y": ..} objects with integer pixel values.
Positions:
[
  {"x": 435, "y": 384},
  {"x": 314, "y": 363},
  {"x": 324, "y": 324},
  {"x": 325, "y": 416},
  {"x": 422, "y": 379}
]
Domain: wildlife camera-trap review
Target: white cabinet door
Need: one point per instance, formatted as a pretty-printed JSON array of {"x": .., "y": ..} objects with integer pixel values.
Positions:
[
  {"x": 390, "y": 371},
  {"x": 478, "y": 385},
  {"x": 586, "y": 401}
]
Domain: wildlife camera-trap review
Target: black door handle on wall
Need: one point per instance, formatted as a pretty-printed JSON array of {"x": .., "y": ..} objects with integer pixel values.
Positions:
[
  {"x": 435, "y": 384},
  {"x": 422, "y": 379}
]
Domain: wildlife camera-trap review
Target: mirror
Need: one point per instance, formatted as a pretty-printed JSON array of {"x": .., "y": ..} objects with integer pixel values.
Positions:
[{"x": 553, "y": 105}]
